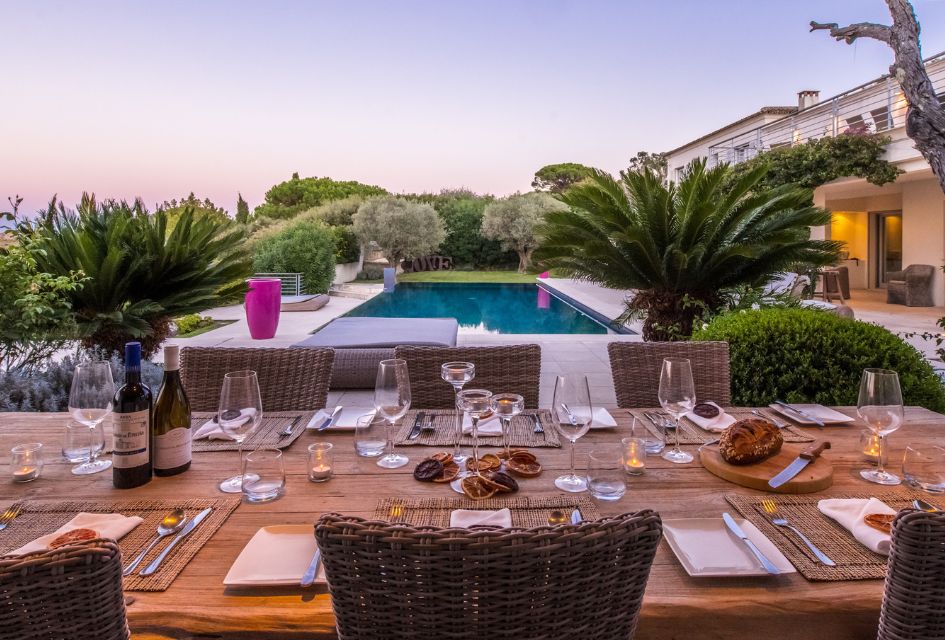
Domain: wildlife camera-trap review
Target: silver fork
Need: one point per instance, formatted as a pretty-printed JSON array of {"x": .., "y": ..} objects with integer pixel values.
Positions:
[
  {"x": 8, "y": 517},
  {"x": 772, "y": 510},
  {"x": 429, "y": 426},
  {"x": 778, "y": 423}
]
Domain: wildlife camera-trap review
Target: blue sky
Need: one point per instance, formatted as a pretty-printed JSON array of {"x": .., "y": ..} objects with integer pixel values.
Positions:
[{"x": 158, "y": 99}]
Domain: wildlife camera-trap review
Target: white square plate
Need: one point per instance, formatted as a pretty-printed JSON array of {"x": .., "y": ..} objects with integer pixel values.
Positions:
[
  {"x": 819, "y": 411},
  {"x": 706, "y": 548},
  {"x": 277, "y": 555},
  {"x": 346, "y": 420}
]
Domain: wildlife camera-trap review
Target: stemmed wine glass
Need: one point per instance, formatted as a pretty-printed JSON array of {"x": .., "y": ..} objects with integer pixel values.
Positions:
[
  {"x": 507, "y": 406},
  {"x": 90, "y": 402},
  {"x": 880, "y": 406},
  {"x": 458, "y": 374},
  {"x": 677, "y": 396},
  {"x": 239, "y": 415},
  {"x": 392, "y": 399},
  {"x": 571, "y": 407},
  {"x": 475, "y": 402}
]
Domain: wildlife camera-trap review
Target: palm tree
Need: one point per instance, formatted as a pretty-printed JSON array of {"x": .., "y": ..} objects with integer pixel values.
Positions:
[
  {"x": 139, "y": 272},
  {"x": 682, "y": 246}
]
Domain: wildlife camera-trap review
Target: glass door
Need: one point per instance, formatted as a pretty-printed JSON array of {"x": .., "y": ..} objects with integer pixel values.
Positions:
[{"x": 888, "y": 227}]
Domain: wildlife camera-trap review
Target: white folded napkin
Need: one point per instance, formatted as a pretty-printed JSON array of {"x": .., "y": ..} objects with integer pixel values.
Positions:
[
  {"x": 602, "y": 418},
  {"x": 106, "y": 525},
  {"x": 850, "y": 512},
  {"x": 490, "y": 426},
  {"x": 212, "y": 430},
  {"x": 720, "y": 422},
  {"x": 347, "y": 418},
  {"x": 471, "y": 517}
]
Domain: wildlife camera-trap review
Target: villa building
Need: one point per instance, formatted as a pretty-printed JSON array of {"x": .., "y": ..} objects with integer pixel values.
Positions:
[{"x": 885, "y": 228}]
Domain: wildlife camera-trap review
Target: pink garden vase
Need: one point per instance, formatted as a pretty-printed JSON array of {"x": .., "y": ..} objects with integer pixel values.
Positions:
[{"x": 263, "y": 301}]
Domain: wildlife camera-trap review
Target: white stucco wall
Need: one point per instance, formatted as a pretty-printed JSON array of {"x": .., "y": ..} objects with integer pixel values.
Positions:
[
  {"x": 923, "y": 229},
  {"x": 349, "y": 271}
]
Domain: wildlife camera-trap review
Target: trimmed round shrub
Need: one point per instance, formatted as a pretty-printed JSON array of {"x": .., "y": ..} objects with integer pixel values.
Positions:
[
  {"x": 805, "y": 355},
  {"x": 304, "y": 247}
]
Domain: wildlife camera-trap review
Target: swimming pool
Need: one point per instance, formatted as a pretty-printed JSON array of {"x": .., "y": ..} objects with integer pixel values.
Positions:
[{"x": 482, "y": 308}]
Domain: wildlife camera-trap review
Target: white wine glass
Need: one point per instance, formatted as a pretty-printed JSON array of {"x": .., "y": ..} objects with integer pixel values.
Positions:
[
  {"x": 392, "y": 399},
  {"x": 880, "y": 406},
  {"x": 90, "y": 402},
  {"x": 507, "y": 406},
  {"x": 677, "y": 395},
  {"x": 458, "y": 374},
  {"x": 475, "y": 402},
  {"x": 239, "y": 415},
  {"x": 571, "y": 407}
]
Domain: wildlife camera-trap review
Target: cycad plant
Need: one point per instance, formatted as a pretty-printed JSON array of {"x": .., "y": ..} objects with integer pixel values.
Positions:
[
  {"x": 139, "y": 272},
  {"x": 682, "y": 246}
]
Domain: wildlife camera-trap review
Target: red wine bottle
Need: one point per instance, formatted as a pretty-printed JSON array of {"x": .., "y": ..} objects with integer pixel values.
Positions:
[{"x": 131, "y": 451}]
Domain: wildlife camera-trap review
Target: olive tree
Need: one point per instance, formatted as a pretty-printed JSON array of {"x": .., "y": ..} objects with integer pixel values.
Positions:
[
  {"x": 513, "y": 222},
  {"x": 401, "y": 228}
]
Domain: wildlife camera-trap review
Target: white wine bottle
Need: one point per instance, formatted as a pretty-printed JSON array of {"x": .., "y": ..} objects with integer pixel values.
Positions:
[
  {"x": 131, "y": 425},
  {"x": 170, "y": 432}
]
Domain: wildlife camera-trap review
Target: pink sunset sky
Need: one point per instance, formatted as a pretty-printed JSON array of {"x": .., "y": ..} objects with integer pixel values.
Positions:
[{"x": 158, "y": 99}]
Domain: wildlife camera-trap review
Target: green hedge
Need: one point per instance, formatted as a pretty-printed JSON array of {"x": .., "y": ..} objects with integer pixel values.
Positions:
[
  {"x": 347, "y": 245},
  {"x": 305, "y": 247},
  {"x": 804, "y": 355}
]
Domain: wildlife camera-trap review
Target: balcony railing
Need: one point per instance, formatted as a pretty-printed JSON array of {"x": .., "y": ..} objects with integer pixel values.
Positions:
[
  {"x": 875, "y": 107},
  {"x": 292, "y": 283}
]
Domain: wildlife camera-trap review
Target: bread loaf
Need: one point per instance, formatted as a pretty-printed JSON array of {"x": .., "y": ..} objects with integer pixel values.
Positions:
[{"x": 749, "y": 441}]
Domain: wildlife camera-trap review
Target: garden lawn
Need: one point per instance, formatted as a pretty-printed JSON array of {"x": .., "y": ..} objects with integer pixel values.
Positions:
[{"x": 501, "y": 277}]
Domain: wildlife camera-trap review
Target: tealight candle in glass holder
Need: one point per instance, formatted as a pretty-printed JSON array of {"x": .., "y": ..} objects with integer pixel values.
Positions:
[
  {"x": 634, "y": 455},
  {"x": 319, "y": 461},
  {"x": 869, "y": 445},
  {"x": 26, "y": 461}
]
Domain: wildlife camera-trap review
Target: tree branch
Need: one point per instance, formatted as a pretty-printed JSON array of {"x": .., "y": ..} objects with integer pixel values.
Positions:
[{"x": 859, "y": 30}]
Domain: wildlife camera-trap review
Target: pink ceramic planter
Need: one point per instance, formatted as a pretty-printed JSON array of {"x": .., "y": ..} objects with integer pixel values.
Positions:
[{"x": 263, "y": 301}]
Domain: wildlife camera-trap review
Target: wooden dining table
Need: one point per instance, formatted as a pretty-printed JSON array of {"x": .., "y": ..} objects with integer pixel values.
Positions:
[{"x": 198, "y": 605}]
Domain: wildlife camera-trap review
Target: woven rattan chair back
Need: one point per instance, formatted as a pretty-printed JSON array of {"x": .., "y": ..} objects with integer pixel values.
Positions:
[
  {"x": 636, "y": 366},
  {"x": 289, "y": 379},
  {"x": 512, "y": 368},
  {"x": 395, "y": 582},
  {"x": 72, "y": 592},
  {"x": 914, "y": 600}
]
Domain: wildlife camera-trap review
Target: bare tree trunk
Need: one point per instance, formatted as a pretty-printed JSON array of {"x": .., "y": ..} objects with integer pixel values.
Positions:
[
  {"x": 925, "y": 118},
  {"x": 524, "y": 259}
]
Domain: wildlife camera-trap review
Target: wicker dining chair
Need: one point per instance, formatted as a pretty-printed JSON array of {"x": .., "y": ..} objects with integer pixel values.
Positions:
[
  {"x": 394, "y": 582},
  {"x": 512, "y": 368},
  {"x": 636, "y": 366},
  {"x": 289, "y": 379},
  {"x": 914, "y": 601},
  {"x": 72, "y": 592}
]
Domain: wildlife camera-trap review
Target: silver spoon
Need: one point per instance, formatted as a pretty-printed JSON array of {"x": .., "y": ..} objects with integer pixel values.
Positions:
[
  {"x": 170, "y": 525},
  {"x": 922, "y": 505},
  {"x": 557, "y": 517}
]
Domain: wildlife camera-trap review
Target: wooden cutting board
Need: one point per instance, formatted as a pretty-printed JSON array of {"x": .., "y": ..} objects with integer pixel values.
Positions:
[{"x": 816, "y": 476}]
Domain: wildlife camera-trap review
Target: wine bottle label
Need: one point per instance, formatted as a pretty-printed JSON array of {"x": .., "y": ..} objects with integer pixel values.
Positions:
[
  {"x": 172, "y": 449},
  {"x": 130, "y": 447}
]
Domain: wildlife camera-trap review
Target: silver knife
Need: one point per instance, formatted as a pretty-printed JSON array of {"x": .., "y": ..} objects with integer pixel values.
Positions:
[
  {"x": 576, "y": 517},
  {"x": 309, "y": 576},
  {"x": 806, "y": 456},
  {"x": 330, "y": 419},
  {"x": 415, "y": 430},
  {"x": 737, "y": 530},
  {"x": 538, "y": 428},
  {"x": 800, "y": 412},
  {"x": 156, "y": 563}
]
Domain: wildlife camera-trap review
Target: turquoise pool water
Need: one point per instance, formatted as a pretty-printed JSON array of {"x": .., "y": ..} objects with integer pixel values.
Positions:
[{"x": 482, "y": 308}]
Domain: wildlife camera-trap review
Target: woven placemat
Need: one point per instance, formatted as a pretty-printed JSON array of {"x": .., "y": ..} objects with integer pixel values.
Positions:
[
  {"x": 267, "y": 435},
  {"x": 690, "y": 433},
  {"x": 444, "y": 431},
  {"x": 854, "y": 561},
  {"x": 39, "y": 518},
  {"x": 527, "y": 512}
]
